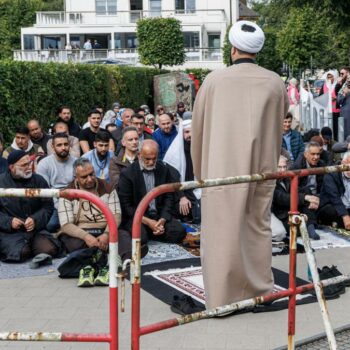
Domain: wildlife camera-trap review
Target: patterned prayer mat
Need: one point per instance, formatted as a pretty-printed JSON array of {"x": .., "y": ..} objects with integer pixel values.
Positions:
[{"x": 165, "y": 280}]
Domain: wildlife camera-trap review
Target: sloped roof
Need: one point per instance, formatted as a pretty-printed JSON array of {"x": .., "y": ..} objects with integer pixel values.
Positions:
[{"x": 246, "y": 13}]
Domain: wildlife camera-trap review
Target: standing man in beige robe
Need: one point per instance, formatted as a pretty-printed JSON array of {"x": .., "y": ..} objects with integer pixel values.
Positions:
[{"x": 237, "y": 130}]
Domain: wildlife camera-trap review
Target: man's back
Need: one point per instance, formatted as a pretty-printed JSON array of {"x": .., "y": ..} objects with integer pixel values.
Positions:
[{"x": 255, "y": 111}]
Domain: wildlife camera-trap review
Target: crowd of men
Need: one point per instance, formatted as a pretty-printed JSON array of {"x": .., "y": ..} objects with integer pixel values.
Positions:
[
  {"x": 120, "y": 156},
  {"x": 119, "y": 162},
  {"x": 323, "y": 198}
]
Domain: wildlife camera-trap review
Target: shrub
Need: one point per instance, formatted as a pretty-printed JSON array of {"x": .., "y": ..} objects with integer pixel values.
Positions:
[{"x": 35, "y": 90}]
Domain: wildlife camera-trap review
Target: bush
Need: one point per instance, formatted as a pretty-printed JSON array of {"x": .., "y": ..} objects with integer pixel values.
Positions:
[{"x": 35, "y": 90}]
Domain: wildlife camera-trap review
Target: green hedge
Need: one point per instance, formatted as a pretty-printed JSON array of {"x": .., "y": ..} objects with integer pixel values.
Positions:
[{"x": 36, "y": 90}]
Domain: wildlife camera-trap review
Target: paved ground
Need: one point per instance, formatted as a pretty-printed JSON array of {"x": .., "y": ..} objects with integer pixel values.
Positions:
[{"x": 46, "y": 303}]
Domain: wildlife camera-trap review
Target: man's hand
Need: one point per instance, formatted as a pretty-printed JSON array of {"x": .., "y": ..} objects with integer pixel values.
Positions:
[
  {"x": 29, "y": 224},
  {"x": 346, "y": 221},
  {"x": 103, "y": 241},
  {"x": 157, "y": 227},
  {"x": 16, "y": 224},
  {"x": 185, "y": 206},
  {"x": 313, "y": 200},
  {"x": 91, "y": 241}
]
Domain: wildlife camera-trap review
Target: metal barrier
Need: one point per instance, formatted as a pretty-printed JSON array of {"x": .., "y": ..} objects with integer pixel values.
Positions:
[
  {"x": 112, "y": 336},
  {"x": 295, "y": 220}
]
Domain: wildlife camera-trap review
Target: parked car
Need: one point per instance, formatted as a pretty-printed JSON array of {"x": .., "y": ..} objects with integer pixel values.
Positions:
[{"x": 109, "y": 61}]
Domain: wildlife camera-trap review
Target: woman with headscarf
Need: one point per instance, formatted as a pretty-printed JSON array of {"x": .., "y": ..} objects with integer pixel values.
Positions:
[
  {"x": 329, "y": 85},
  {"x": 151, "y": 123},
  {"x": 294, "y": 98}
]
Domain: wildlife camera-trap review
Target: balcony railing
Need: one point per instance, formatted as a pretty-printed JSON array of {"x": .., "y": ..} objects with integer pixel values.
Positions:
[
  {"x": 120, "y": 56},
  {"x": 125, "y": 17}
]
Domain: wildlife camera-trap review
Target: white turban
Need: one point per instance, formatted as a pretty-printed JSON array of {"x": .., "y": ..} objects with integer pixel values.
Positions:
[
  {"x": 247, "y": 36},
  {"x": 186, "y": 124}
]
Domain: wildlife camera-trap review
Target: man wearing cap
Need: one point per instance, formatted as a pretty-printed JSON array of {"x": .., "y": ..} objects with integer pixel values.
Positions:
[
  {"x": 247, "y": 105},
  {"x": 23, "y": 220}
]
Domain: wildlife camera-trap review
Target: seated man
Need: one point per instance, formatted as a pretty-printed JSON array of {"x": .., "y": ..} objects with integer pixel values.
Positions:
[
  {"x": 310, "y": 159},
  {"x": 100, "y": 156},
  {"x": 37, "y": 135},
  {"x": 22, "y": 142},
  {"x": 165, "y": 134},
  {"x": 87, "y": 136},
  {"x": 126, "y": 156},
  {"x": 307, "y": 203},
  {"x": 335, "y": 198},
  {"x": 135, "y": 181},
  {"x": 179, "y": 157},
  {"x": 292, "y": 140},
  {"x": 23, "y": 220},
  {"x": 138, "y": 122},
  {"x": 74, "y": 146},
  {"x": 57, "y": 170},
  {"x": 82, "y": 224}
]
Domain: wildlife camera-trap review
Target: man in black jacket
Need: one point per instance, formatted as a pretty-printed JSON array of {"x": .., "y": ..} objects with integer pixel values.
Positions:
[
  {"x": 23, "y": 220},
  {"x": 307, "y": 203},
  {"x": 65, "y": 115},
  {"x": 335, "y": 198},
  {"x": 134, "y": 183}
]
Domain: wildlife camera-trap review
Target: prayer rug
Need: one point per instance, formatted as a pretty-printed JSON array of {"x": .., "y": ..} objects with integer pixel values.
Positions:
[{"x": 165, "y": 280}]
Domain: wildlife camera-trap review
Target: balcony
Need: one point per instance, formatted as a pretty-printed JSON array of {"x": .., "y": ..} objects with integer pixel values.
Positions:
[
  {"x": 48, "y": 19},
  {"x": 199, "y": 57}
]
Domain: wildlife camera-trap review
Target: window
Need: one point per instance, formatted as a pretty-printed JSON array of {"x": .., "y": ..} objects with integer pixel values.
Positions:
[
  {"x": 155, "y": 7},
  {"x": 185, "y": 6},
  {"x": 191, "y": 39},
  {"x": 131, "y": 40},
  {"x": 106, "y": 7},
  {"x": 28, "y": 42},
  {"x": 214, "y": 40}
]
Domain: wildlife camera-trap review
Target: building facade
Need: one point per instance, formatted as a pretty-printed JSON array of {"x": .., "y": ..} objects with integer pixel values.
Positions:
[{"x": 110, "y": 26}]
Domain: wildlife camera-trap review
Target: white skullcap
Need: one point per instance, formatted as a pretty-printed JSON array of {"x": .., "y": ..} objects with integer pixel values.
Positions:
[
  {"x": 247, "y": 36},
  {"x": 186, "y": 124}
]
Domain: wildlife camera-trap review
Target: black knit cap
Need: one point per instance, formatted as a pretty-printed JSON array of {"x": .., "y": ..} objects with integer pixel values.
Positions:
[{"x": 15, "y": 156}]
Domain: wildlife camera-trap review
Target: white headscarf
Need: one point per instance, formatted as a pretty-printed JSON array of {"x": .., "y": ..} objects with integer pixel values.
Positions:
[
  {"x": 247, "y": 36},
  {"x": 335, "y": 74}
]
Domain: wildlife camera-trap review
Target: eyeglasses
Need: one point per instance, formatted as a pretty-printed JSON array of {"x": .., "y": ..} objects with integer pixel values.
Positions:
[
  {"x": 341, "y": 74},
  {"x": 160, "y": 109}
]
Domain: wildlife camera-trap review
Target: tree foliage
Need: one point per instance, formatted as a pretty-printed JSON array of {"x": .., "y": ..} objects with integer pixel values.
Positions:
[
  {"x": 160, "y": 42},
  {"x": 302, "y": 39},
  {"x": 226, "y": 50},
  {"x": 15, "y": 14}
]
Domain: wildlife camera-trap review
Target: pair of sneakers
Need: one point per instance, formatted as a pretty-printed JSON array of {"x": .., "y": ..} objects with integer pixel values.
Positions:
[{"x": 87, "y": 277}]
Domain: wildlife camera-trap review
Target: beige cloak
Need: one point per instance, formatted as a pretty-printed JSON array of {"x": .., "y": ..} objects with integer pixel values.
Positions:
[{"x": 237, "y": 130}]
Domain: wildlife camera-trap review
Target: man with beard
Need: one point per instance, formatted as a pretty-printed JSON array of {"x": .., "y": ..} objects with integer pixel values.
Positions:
[
  {"x": 37, "y": 135},
  {"x": 83, "y": 225},
  {"x": 126, "y": 156},
  {"x": 23, "y": 220},
  {"x": 135, "y": 182},
  {"x": 165, "y": 135},
  {"x": 100, "y": 156},
  {"x": 57, "y": 170},
  {"x": 87, "y": 136},
  {"x": 179, "y": 157},
  {"x": 65, "y": 115}
]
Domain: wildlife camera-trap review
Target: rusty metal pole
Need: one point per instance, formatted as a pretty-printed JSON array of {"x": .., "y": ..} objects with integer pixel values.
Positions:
[{"x": 292, "y": 261}]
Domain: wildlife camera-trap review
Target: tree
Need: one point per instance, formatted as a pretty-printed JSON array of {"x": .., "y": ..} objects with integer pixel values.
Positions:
[
  {"x": 160, "y": 42},
  {"x": 226, "y": 50},
  {"x": 268, "y": 57},
  {"x": 15, "y": 14},
  {"x": 304, "y": 36}
]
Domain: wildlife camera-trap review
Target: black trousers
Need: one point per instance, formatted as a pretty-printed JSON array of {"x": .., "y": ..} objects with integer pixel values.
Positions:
[
  {"x": 174, "y": 233},
  {"x": 327, "y": 215}
]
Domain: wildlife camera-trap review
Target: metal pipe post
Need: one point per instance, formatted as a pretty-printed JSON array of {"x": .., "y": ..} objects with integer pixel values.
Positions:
[{"x": 292, "y": 261}]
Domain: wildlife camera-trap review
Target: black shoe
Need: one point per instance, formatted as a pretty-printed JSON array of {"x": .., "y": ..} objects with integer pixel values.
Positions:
[
  {"x": 185, "y": 305},
  {"x": 332, "y": 291},
  {"x": 312, "y": 232},
  {"x": 335, "y": 272}
]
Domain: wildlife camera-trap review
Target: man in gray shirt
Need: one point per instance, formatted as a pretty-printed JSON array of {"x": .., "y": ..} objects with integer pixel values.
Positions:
[{"x": 57, "y": 170}]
